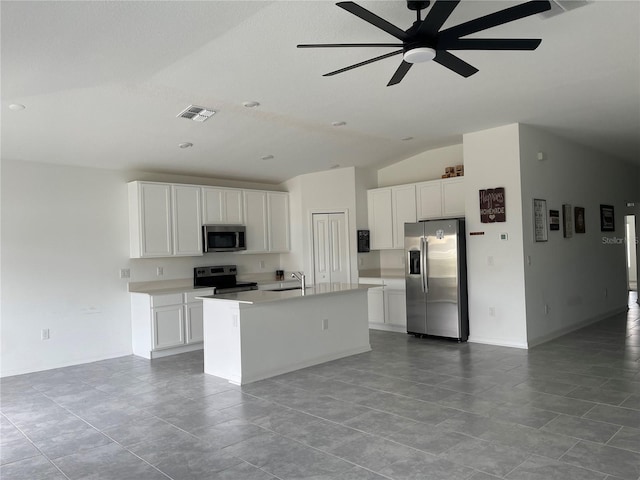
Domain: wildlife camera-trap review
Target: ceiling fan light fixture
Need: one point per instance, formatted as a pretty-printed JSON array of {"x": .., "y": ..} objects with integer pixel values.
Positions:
[{"x": 419, "y": 55}]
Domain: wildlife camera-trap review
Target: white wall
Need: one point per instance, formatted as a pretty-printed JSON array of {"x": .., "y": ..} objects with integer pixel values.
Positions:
[
  {"x": 64, "y": 239},
  {"x": 329, "y": 191},
  {"x": 581, "y": 278},
  {"x": 632, "y": 256},
  {"x": 429, "y": 165},
  {"x": 492, "y": 159}
]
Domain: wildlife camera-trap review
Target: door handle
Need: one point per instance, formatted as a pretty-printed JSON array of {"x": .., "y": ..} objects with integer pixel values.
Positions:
[{"x": 424, "y": 249}]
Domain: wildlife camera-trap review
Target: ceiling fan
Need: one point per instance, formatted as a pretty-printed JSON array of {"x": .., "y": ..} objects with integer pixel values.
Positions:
[{"x": 424, "y": 41}]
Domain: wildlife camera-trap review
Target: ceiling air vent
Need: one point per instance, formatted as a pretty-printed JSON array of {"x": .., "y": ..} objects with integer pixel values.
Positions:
[
  {"x": 196, "y": 113},
  {"x": 562, "y": 6}
]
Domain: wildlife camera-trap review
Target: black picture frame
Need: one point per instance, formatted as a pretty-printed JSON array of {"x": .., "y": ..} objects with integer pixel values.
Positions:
[
  {"x": 607, "y": 218},
  {"x": 580, "y": 220}
]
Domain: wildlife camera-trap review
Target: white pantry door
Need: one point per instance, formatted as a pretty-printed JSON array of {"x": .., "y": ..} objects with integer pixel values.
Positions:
[{"x": 330, "y": 248}]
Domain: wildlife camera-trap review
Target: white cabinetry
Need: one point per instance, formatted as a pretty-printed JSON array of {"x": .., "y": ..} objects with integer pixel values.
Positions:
[
  {"x": 267, "y": 220},
  {"x": 380, "y": 214},
  {"x": 166, "y": 324},
  {"x": 164, "y": 220},
  {"x": 440, "y": 198},
  {"x": 222, "y": 206},
  {"x": 389, "y": 209},
  {"x": 187, "y": 220},
  {"x": 387, "y": 304},
  {"x": 403, "y": 201},
  {"x": 278, "y": 221}
]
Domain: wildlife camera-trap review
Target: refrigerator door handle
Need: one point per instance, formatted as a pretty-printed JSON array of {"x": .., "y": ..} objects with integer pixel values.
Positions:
[{"x": 424, "y": 249}]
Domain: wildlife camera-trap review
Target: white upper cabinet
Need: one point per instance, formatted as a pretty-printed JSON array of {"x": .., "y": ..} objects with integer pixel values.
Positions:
[
  {"x": 278, "y": 221},
  {"x": 266, "y": 217},
  {"x": 164, "y": 220},
  {"x": 255, "y": 216},
  {"x": 150, "y": 220},
  {"x": 389, "y": 208},
  {"x": 380, "y": 215},
  {"x": 187, "y": 220},
  {"x": 222, "y": 206},
  {"x": 453, "y": 197},
  {"x": 440, "y": 198},
  {"x": 403, "y": 201},
  {"x": 429, "y": 199}
]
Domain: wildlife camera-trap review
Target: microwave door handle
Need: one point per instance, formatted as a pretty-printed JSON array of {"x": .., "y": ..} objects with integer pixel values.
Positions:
[{"x": 205, "y": 240}]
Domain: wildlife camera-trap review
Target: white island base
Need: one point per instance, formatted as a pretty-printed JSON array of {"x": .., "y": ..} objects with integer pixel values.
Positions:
[{"x": 255, "y": 335}]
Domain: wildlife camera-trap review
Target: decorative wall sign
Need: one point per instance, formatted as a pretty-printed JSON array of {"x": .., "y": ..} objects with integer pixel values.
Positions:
[
  {"x": 492, "y": 207},
  {"x": 554, "y": 219},
  {"x": 567, "y": 224},
  {"x": 580, "y": 220},
  {"x": 607, "y": 219},
  {"x": 540, "y": 220}
]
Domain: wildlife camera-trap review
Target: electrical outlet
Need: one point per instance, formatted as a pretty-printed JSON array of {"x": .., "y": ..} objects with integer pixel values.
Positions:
[
  {"x": 546, "y": 309},
  {"x": 490, "y": 261},
  {"x": 325, "y": 324},
  {"x": 606, "y": 292},
  {"x": 492, "y": 311},
  {"x": 160, "y": 271},
  {"x": 125, "y": 273},
  {"x": 44, "y": 334},
  {"x": 262, "y": 264},
  {"x": 528, "y": 259}
]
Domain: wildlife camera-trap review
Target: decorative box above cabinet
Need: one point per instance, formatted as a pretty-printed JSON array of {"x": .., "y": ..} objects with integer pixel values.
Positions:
[{"x": 164, "y": 220}]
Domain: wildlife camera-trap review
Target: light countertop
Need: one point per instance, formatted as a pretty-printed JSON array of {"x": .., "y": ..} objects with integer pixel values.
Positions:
[
  {"x": 382, "y": 273},
  {"x": 254, "y": 297},
  {"x": 185, "y": 285}
]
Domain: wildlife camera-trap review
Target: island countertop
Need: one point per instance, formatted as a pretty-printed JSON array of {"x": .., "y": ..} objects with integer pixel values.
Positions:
[{"x": 254, "y": 297}]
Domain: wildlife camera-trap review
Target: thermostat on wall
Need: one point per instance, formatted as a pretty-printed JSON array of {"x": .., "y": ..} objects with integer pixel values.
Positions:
[{"x": 504, "y": 236}]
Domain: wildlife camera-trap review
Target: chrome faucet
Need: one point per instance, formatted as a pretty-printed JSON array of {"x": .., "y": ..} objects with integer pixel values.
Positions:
[{"x": 300, "y": 276}]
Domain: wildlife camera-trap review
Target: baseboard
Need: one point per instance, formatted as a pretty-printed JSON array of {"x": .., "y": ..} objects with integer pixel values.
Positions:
[
  {"x": 388, "y": 328},
  {"x": 576, "y": 326},
  {"x": 14, "y": 372},
  {"x": 307, "y": 363},
  {"x": 175, "y": 351},
  {"x": 499, "y": 342}
]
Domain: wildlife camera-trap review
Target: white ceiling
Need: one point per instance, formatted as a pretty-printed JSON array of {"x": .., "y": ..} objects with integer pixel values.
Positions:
[{"x": 104, "y": 81}]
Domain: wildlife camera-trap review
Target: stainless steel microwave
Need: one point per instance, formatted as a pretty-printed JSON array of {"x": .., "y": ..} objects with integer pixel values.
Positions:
[{"x": 224, "y": 238}]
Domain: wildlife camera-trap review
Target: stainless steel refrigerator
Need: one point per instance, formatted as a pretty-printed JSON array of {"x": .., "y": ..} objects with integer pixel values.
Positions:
[{"x": 436, "y": 278}]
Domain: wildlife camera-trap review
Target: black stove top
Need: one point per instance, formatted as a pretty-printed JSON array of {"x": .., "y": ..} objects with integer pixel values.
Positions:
[{"x": 222, "y": 278}]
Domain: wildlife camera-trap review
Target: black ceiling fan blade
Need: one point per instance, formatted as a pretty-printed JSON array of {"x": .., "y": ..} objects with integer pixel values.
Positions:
[
  {"x": 439, "y": 13},
  {"x": 400, "y": 73},
  {"x": 341, "y": 45},
  {"x": 373, "y": 19},
  {"x": 454, "y": 63},
  {"x": 366, "y": 62},
  {"x": 490, "y": 44},
  {"x": 498, "y": 18}
]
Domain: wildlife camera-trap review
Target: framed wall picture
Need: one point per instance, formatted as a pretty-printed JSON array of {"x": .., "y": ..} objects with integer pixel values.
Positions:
[
  {"x": 579, "y": 220},
  {"x": 607, "y": 219},
  {"x": 567, "y": 224},
  {"x": 540, "y": 220},
  {"x": 554, "y": 220}
]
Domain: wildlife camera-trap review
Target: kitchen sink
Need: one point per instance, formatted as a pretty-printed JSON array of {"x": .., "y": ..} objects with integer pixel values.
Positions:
[{"x": 285, "y": 289}]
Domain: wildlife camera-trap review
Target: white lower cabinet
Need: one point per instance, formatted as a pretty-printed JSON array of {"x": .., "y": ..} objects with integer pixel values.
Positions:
[
  {"x": 166, "y": 324},
  {"x": 387, "y": 304}
]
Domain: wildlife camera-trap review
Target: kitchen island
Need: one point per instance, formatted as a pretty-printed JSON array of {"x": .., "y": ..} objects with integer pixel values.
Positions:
[{"x": 254, "y": 335}]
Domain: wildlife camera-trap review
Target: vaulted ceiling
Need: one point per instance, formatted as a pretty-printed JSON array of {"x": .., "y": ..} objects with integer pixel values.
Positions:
[{"x": 102, "y": 83}]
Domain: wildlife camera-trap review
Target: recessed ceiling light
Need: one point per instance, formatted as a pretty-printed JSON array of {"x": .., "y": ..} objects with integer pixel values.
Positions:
[
  {"x": 267, "y": 157},
  {"x": 16, "y": 107},
  {"x": 186, "y": 145},
  {"x": 406, "y": 139},
  {"x": 338, "y": 124},
  {"x": 196, "y": 113},
  {"x": 251, "y": 104}
]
